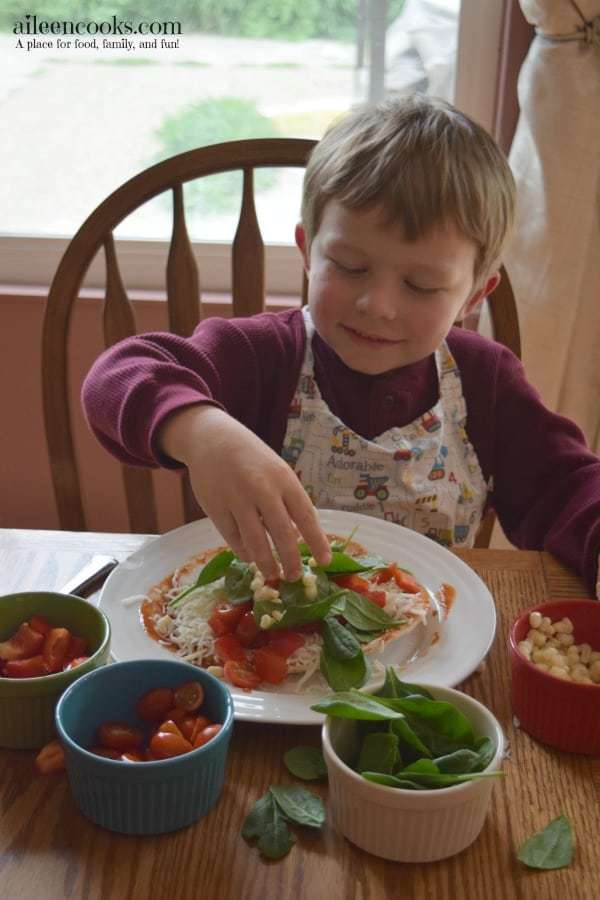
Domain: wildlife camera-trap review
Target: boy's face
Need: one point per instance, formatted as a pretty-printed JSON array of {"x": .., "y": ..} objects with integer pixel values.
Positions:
[{"x": 380, "y": 301}]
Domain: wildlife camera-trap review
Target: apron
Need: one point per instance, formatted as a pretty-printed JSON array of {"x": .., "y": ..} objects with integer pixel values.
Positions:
[{"x": 425, "y": 475}]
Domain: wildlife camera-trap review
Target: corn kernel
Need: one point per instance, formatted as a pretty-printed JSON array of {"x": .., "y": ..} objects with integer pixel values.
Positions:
[
  {"x": 558, "y": 672},
  {"x": 565, "y": 640},
  {"x": 535, "y": 619}
]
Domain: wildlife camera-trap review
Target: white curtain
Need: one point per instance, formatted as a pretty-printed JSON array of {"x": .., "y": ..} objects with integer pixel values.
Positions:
[{"x": 554, "y": 259}]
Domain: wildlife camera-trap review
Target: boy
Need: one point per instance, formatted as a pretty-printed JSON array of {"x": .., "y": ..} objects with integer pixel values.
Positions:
[{"x": 368, "y": 399}]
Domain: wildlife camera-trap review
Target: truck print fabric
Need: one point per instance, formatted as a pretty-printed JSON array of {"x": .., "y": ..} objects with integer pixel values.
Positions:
[{"x": 425, "y": 475}]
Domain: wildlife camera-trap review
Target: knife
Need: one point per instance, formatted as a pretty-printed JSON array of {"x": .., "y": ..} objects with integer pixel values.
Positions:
[{"x": 97, "y": 568}]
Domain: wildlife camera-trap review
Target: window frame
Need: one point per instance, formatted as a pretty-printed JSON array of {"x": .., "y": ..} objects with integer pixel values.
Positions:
[{"x": 32, "y": 260}]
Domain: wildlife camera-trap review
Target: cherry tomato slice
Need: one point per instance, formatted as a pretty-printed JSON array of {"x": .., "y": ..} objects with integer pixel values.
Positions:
[
  {"x": 284, "y": 642},
  {"x": 56, "y": 644},
  {"x": 78, "y": 646},
  {"x": 405, "y": 581},
  {"x": 225, "y": 617},
  {"x": 120, "y": 736},
  {"x": 189, "y": 696},
  {"x": 40, "y": 624},
  {"x": 170, "y": 727},
  {"x": 270, "y": 666},
  {"x": 241, "y": 675},
  {"x": 73, "y": 663},
  {"x": 377, "y": 597},
  {"x": 206, "y": 735},
  {"x": 24, "y": 643},
  {"x": 51, "y": 758},
  {"x": 164, "y": 745},
  {"x": 155, "y": 705},
  {"x": 106, "y": 752},
  {"x": 229, "y": 647},
  {"x": 26, "y": 668},
  {"x": 131, "y": 756},
  {"x": 352, "y": 582},
  {"x": 200, "y": 723},
  {"x": 247, "y": 629}
]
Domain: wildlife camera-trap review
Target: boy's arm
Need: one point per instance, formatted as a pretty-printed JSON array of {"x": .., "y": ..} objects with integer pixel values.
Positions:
[
  {"x": 248, "y": 367},
  {"x": 213, "y": 402},
  {"x": 546, "y": 482}
]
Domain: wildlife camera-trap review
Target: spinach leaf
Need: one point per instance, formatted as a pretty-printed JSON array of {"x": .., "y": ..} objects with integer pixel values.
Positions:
[
  {"x": 266, "y": 822},
  {"x": 459, "y": 763},
  {"x": 486, "y": 750},
  {"x": 299, "y": 805},
  {"x": 293, "y": 593},
  {"x": 305, "y": 762},
  {"x": 214, "y": 569},
  {"x": 342, "y": 674},
  {"x": 379, "y": 753},
  {"x": 437, "y": 717},
  {"x": 392, "y": 781},
  {"x": 365, "y": 637},
  {"x": 300, "y": 614},
  {"x": 342, "y": 546},
  {"x": 238, "y": 578},
  {"x": 342, "y": 564},
  {"x": 338, "y": 641},
  {"x": 442, "y": 780},
  {"x": 410, "y": 743},
  {"x": 551, "y": 848},
  {"x": 354, "y": 705},
  {"x": 364, "y": 615},
  {"x": 393, "y": 687}
]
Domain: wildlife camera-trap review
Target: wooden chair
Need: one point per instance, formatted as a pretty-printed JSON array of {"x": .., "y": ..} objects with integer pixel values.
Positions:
[{"x": 183, "y": 295}]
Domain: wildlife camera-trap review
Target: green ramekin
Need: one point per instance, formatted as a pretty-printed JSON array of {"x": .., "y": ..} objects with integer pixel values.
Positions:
[{"x": 27, "y": 704}]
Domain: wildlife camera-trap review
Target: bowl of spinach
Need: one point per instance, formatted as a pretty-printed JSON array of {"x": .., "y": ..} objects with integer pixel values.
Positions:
[{"x": 411, "y": 768}]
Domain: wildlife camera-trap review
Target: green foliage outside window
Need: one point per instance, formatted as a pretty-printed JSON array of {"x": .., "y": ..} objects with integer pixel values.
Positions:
[{"x": 211, "y": 122}]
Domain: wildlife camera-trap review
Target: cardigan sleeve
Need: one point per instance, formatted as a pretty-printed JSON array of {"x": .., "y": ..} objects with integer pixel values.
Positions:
[
  {"x": 247, "y": 367},
  {"x": 546, "y": 483}
]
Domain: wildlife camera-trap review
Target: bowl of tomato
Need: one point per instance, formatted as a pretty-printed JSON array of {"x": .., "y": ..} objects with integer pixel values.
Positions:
[
  {"x": 47, "y": 641},
  {"x": 145, "y": 744}
]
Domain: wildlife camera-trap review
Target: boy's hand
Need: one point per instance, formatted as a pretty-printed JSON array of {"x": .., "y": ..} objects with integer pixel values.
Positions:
[{"x": 246, "y": 489}]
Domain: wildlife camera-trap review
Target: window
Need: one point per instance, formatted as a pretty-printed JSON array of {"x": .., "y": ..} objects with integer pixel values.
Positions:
[{"x": 83, "y": 119}]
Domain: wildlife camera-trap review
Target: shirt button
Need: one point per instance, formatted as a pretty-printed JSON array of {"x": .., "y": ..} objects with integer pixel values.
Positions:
[{"x": 389, "y": 401}]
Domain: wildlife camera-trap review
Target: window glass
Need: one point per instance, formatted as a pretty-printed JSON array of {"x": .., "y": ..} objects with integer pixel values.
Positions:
[{"x": 84, "y": 112}]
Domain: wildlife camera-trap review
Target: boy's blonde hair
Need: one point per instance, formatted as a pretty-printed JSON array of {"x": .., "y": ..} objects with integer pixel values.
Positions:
[{"x": 425, "y": 163}]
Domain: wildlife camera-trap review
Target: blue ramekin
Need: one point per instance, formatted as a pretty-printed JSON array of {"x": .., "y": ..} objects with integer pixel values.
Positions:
[{"x": 148, "y": 797}]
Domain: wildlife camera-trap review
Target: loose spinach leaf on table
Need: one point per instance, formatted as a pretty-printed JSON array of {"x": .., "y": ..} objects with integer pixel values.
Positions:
[
  {"x": 551, "y": 848},
  {"x": 266, "y": 822},
  {"x": 299, "y": 805},
  {"x": 342, "y": 674},
  {"x": 306, "y": 762},
  {"x": 212, "y": 571}
]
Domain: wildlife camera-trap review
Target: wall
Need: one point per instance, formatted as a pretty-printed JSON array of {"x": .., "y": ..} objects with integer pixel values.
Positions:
[{"x": 26, "y": 493}]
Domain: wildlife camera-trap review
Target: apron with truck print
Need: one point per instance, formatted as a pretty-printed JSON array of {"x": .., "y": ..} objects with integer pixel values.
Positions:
[{"x": 425, "y": 475}]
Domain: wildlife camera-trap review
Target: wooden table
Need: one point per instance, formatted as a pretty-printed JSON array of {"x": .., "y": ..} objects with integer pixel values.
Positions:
[{"x": 50, "y": 851}]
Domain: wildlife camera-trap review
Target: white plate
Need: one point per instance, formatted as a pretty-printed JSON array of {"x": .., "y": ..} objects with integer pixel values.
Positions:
[{"x": 464, "y": 640}]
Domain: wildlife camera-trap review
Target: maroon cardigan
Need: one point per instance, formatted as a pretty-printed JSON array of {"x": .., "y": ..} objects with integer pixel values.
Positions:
[{"x": 545, "y": 482}]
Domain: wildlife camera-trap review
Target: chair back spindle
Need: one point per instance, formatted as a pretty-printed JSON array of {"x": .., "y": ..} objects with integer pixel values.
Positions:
[{"x": 248, "y": 256}]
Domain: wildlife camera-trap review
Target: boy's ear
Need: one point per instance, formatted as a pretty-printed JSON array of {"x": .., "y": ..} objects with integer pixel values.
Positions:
[
  {"x": 302, "y": 244},
  {"x": 475, "y": 299}
]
